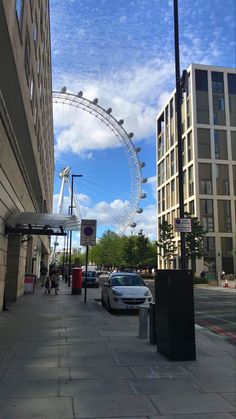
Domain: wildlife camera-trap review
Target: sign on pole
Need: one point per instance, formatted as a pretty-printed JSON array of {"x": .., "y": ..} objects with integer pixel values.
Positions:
[
  {"x": 88, "y": 232},
  {"x": 182, "y": 225}
]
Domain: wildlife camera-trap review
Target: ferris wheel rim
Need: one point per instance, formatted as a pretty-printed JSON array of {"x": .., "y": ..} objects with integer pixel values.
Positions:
[{"x": 115, "y": 126}]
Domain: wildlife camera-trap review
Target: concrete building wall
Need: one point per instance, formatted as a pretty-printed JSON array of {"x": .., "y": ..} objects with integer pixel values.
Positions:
[
  {"x": 209, "y": 144},
  {"x": 26, "y": 135}
]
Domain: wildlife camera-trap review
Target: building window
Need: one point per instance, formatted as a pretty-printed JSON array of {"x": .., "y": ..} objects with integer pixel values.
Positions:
[
  {"x": 218, "y": 98},
  {"x": 172, "y": 163},
  {"x": 159, "y": 202},
  {"x": 27, "y": 57},
  {"x": 233, "y": 144},
  {"x": 167, "y": 196},
  {"x": 204, "y": 143},
  {"x": 227, "y": 257},
  {"x": 205, "y": 178},
  {"x": 163, "y": 198},
  {"x": 171, "y": 109},
  {"x": 202, "y": 97},
  {"x": 184, "y": 151},
  {"x": 234, "y": 179},
  {"x": 167, "y": 167},
  {"x": 232, "y": 98},
  {"x": 190, "y": 152},
  {"x": 222, "y": 179},
  {"x": 220, "y": 143},
  {"x": 19, "y": 10},
  {"x": 190, "y": 181},
  {"x": 206, "y": 214},
  {"x": 191, "y": 208},
  {"x": 209, "y": 254},
  {"x": 224, "y": 216},
  {"x": 173, "y": 192}
]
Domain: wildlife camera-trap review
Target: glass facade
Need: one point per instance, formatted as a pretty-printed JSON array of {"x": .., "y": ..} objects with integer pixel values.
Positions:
[
  {"x": 202, "y": 96},
  {"x": 224, "y": 216},
  {"x": 232, "y": 98},
  {"x": 207, "y": 214},
  {"x": 222, "y": 179},
  {"x": 218, "y": 98},
  {"x": 220, "y": 144},
  {"x": 204, "y": 143},
  {"x": 233, "y": 144},
  {"x": 205, "y": 178}
]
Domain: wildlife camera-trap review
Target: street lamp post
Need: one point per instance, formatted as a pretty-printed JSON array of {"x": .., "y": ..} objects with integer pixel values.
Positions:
[
  {"x": 179, "y": 130},
  {"x": 70, "y": 236}
]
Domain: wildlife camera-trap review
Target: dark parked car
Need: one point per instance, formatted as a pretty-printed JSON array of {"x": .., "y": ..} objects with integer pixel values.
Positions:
[{"x": 92, "y": 279}]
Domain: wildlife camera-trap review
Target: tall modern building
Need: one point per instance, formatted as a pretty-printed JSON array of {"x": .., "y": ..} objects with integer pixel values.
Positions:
[
  {"x": 26, "y": 136},
  {"x": 209, "y": 163}
]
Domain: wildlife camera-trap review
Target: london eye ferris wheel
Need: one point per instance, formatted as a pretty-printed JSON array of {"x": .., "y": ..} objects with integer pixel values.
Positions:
[{"x": 123, "y": 139}]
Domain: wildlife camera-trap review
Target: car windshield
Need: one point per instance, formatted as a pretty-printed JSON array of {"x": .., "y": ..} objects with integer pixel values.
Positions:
[
  {"x": 127, "y": 280},
  {"x": 90, "y": 274}
]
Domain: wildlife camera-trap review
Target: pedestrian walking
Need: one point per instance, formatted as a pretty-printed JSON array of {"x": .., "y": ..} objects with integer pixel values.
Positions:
[
  {"x": 43, "y": 273},
  {"x": 47, "y": 285},
  {"x": 55, "y": 277}
]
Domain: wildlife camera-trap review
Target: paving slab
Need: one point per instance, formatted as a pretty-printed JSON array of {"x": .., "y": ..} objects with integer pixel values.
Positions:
[
  {"x": 219, "y": 384},
  {"x": 97, "y": 387},
  {"x": 36, "y": 373},
  {"x": 14, "y": 389},
  {"x": 100, "y": 372},
  {"x": 164, "y": 371},
  {"x": 196, "y": 416},
  {"x": 163, "y": 385},
  {"x": 113, "y": 406},
  {"x": 192, "y": 403},
  {"x": 87, "y": 361},
  {"x": 42, "y": 408}
]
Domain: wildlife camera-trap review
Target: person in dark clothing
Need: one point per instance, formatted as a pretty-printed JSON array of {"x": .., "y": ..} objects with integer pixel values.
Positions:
[{"x": 43, "y": 273}]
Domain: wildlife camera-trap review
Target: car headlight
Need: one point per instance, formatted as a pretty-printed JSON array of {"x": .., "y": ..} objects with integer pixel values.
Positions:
[
  {"x": 147, "y": 293},
  {"x": 117, "y": 293}
]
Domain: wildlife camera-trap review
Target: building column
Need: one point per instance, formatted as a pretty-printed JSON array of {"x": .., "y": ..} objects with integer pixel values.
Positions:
[{"x": 16, "y": 258}]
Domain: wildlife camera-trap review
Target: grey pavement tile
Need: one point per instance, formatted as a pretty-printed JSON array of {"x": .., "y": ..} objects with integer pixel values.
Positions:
[
  {"x": 97, "y": 387},
  {"x": 220, "y": 384},
  {"x": 42, "y": 351},
  {"x": 113, "y": 406},
  {"x": 136, "y": 360},
  {"x": 100, "y": 372},
  {"x": 12, "y": 389},
  {"x": 212, "y": 370},
  {"x": 47, "y": 340},
  {"x": 162, "y": 385},
  {"x": 163, "y": 371},
  {"x": 118, "y": 333},
  {"x": 206, "y": 360},
  {"x": 231, "y": 397},
  {"x": 219, "y": 415},
  {"x": 191, "y": 403},
  {"x": 87, "y": 361},
  {"x": 31, "y": 362},
  {"x": 36, "y": 373},
  {"x": 92, "y": 350},
  {"x": 88, "y": 339},
  {"x": 42, "y": 408}
]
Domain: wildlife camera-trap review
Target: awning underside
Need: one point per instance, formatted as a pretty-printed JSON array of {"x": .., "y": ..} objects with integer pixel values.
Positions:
[{"x": 41, "y": 224}]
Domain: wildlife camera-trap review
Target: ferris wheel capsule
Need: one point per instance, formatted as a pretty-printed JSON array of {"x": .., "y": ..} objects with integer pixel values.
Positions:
[
  {"x": 143, "y": 195},
  {"x": 139, "y": 211},
  {"x": 133, "y": 225}
]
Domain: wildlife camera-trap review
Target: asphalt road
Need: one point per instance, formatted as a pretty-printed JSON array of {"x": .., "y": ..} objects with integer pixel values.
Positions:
[{"x": 214, "y": 309}]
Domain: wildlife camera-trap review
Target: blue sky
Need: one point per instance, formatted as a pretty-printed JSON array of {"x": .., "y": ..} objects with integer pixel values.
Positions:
[{"x": 122, "y": 52}]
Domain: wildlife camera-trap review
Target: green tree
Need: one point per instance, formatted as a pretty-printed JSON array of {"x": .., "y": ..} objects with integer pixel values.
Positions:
[
  {"x": 194, "y": 241},
  {"x": 166, "y": 246}
]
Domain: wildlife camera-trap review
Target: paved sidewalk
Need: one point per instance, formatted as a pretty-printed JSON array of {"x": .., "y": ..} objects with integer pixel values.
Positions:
[{"x": 62, "y": 358}]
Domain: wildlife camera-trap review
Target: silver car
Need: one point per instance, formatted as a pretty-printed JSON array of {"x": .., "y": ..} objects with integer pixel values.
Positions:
[{"x": 125, "y": 291}]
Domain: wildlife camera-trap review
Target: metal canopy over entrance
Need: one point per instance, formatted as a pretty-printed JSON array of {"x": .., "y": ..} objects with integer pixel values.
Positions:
[{"x": 41, "y": 224}]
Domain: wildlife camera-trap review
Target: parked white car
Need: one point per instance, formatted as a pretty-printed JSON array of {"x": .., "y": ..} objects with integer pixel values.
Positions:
[{"x": 125, "y": 291}]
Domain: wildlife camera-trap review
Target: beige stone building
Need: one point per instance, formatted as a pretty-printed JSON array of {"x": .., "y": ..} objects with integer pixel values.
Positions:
[
  {"x": 26, "y": 136},
  {"x": 209, "y": 163}
]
